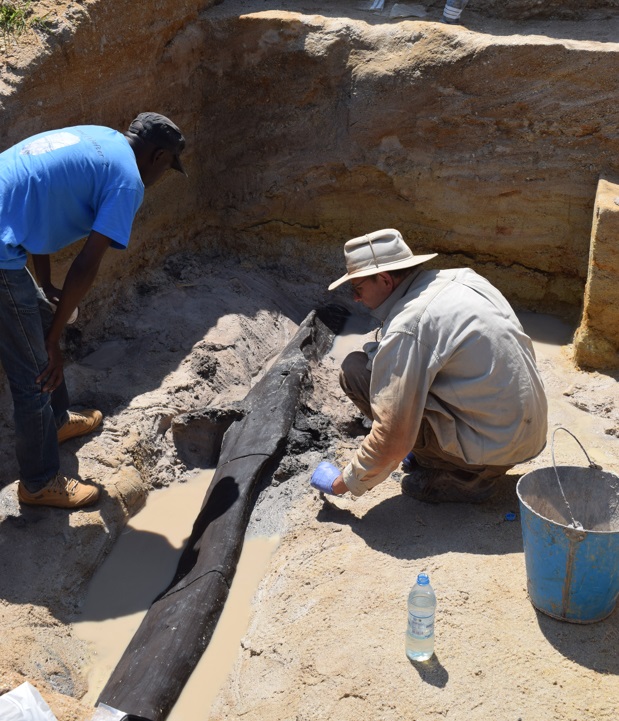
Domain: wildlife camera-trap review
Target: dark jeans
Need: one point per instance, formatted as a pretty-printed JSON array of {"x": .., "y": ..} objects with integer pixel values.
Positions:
[
  {"x": 25, "y": 318},
  {"x": 478, "y": 480}
]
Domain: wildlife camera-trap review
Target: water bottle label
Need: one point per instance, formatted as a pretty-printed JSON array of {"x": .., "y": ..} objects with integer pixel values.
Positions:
[{"x": 420, "y": 627}]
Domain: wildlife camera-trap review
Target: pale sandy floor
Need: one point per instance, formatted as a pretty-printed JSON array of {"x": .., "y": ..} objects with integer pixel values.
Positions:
[{"x": 326, "y": 640}]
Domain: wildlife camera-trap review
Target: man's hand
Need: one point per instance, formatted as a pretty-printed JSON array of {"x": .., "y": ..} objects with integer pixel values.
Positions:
[
  {"x": 52, "y": 375},
  {"x": 52, "y": 293},
  {"x": 328, "y": 479},
  {"x": 79, "y": 279}
]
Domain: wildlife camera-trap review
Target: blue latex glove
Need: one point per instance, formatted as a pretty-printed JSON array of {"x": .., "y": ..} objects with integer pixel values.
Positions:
[
  {"x": 409, "y": 462},
  {"x": 323, "y": 477}
]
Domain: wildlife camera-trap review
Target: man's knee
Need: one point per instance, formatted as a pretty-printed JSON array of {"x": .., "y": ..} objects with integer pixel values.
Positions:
[
  {"x": 355, "y": 381},
  {"x": 355, "y": 364},
  {"x": 354, "y": 372}
]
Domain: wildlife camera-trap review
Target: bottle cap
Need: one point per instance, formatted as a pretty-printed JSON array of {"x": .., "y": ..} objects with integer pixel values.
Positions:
[{"x": 423, "y": 579}]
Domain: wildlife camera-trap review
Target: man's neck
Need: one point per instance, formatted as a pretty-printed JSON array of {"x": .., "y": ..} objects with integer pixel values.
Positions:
[{"x": 398, "y": 292}]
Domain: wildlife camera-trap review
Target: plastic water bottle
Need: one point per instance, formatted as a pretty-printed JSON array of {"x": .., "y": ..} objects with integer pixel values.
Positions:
[{"x": 420, "y": 630}]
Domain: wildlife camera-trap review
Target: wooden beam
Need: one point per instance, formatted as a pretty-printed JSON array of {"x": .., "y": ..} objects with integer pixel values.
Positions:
[{"x": 177, "y": 628}]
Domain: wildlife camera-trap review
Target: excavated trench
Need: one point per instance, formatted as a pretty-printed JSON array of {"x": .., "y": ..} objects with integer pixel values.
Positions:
[{"x": 307, "y": 124}]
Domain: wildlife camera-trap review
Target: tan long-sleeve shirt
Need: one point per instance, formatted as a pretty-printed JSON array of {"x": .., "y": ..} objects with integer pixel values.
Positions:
[{"x": 452, "y": 351}]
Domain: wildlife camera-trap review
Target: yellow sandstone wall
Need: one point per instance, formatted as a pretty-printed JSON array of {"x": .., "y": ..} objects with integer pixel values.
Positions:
[
  {"x": 305, "y": 130},
  {"x": 596, "y": 343}
]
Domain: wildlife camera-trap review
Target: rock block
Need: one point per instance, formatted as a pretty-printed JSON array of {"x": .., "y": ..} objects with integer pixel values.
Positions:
[{"x": 596, "y": 343}]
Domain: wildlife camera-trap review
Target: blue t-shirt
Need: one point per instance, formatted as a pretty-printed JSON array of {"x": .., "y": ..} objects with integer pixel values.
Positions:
[{"x": 57, "y": 186}]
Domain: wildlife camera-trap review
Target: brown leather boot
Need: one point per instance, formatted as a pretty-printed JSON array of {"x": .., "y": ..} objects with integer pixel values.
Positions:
[
  {"x": 61, "y": 492},
  {"x": 80, "y": 423}
]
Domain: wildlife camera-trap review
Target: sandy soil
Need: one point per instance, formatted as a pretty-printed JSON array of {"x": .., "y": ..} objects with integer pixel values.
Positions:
[
  {"x": 327, "y": 636},
  {"x": 326, "y": 639}
]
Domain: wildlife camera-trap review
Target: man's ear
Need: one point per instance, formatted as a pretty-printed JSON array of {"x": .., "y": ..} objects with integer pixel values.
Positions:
[
  {"x": 385, "y": 279},
  {"x": 156, "y": 155}
]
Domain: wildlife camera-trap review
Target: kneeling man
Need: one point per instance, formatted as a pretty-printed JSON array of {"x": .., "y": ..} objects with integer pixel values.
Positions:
[{"x": 451, "y": 385}]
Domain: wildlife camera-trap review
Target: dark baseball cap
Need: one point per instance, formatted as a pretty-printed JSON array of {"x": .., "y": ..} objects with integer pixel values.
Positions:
[{"x": 161, "y": 132}]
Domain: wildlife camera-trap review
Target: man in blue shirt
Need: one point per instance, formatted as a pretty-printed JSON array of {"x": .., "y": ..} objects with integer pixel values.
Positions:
[{"x": 56, "y": 188}]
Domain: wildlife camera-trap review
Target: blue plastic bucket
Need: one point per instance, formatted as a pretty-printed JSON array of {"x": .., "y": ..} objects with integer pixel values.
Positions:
[{"x": 572, "y": 572}]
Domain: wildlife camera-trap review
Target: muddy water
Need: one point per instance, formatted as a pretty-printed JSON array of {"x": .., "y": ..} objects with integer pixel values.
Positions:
[
  {"x": 357, "y": 331},
  {"x": 141, "y": 564},
  {"x": 212, "y": 671}
]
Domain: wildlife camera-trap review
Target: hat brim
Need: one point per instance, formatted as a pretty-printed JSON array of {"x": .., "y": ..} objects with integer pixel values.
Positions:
[
  {"x": 177, "y": 165},
  {"x": 408, "y": 263}
]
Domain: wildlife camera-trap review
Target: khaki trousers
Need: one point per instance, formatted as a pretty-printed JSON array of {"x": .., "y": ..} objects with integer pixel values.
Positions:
[{"x": 478, "y": 482}]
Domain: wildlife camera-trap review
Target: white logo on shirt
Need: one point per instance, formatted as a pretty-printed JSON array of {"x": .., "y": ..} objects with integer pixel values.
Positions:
[{"x": 49, "y": 143}]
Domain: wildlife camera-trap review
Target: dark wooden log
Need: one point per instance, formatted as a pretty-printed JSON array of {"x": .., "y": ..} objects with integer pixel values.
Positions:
[{"x": 177, "y": 628}]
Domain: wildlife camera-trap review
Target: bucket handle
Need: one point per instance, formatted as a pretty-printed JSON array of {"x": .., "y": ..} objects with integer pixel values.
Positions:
[{"x": 592, "y": 465}]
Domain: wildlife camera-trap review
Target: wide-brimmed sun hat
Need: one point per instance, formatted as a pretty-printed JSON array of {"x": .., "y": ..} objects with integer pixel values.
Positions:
[{"x": 378, "y": 252}]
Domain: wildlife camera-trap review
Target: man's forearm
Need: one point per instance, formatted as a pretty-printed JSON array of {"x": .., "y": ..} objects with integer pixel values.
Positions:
[
  {"x": 76, "y": 285},
  {"x": 391, "y": 437},
  {"x": 80, "y": 277}
]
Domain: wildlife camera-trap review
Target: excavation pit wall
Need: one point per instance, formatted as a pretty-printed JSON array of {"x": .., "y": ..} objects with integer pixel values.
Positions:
[
  {"x": 483, "y": 144},
  {"x": 303, "y": 130}
]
